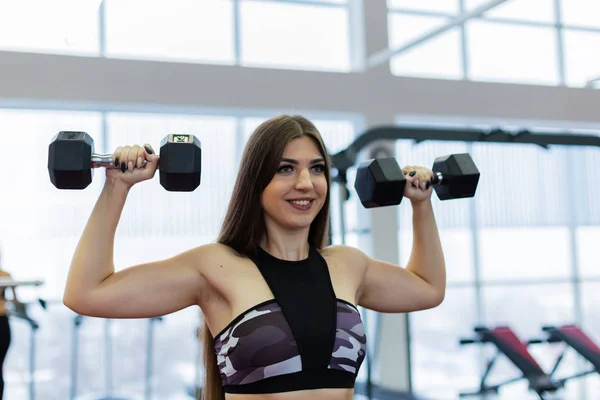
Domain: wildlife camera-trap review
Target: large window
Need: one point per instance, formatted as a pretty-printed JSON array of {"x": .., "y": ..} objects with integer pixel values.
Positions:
[
  {"x": 511, "y": 53},
  {"x": 297, "y": 36},
  {"x": 581, "y": 13},
  {"x": 307, "y": 34},
  {"x": 183, "y": 30},
  {"x": 582, "y": 63},
  {"x": 58, "y": 26},
  {"x": 542, "y": 42},
  {"x": 438, "y": 57}
]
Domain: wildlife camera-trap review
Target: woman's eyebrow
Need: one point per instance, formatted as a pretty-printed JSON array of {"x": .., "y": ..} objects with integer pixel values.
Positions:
[{"x": 292, "y": 161}]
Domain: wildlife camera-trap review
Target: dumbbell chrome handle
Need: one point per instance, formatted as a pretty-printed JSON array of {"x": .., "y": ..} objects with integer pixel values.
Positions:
[
  {"x": 438, "y": 178},
  {"x": 106, "y": 161}
]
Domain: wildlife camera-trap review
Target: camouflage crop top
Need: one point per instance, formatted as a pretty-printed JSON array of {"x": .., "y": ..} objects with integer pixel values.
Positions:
[{"x": 304, "y": 338}]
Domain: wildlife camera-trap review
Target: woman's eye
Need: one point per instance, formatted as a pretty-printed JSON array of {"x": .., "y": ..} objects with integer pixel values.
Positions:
[
  {"x": 285, "y": 168},
  {"x": 319, "y": 168}
]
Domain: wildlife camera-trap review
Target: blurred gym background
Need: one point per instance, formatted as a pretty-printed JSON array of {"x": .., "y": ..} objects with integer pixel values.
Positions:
[{"x": 522, "y": 253}]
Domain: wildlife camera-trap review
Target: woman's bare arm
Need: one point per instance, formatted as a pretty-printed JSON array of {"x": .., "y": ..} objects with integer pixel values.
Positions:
[{"x": 93, "y": 287}]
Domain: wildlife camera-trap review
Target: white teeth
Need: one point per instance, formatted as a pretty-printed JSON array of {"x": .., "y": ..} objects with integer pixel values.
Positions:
[{"x": 301, "y": 202}]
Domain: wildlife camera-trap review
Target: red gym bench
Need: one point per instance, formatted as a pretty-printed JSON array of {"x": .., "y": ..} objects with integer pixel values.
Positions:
[
  {"x": 574, "y": 337},
  {"x": 507, "y": 343}
]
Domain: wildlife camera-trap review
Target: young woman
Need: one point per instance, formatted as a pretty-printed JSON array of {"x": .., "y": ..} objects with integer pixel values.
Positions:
[{"x": 279, "y": 306}]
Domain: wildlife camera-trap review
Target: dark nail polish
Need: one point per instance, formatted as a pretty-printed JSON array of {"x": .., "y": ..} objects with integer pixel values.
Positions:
[
  {"x": 148, "y": 150},
  {"x": 428, "y": 185},
  {"x": 117, "y": 162},
  {"x": 123, "y": 167},
  {"x": 412, "y": 173}
]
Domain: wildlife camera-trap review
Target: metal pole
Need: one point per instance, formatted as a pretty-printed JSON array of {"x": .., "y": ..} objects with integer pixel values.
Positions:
[
  {"x": 107, "y": 359},
  {"x": 369, "y": 386},
  {"x": 149, "y": 358},
  {"x": 74, "y": 356},
  {"x": 32, "y": 362},
  {"x": 343, "y": 196},
  {"x": 199, "y": 354},
  {"x": 148, "y": 361}
]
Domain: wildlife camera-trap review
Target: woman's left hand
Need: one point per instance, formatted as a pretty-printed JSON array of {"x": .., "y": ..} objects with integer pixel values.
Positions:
[{"x": 418, "y": 183}]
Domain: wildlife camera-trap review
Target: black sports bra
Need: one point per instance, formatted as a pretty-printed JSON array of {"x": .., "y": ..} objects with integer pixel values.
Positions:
[{"x": 304, "y": 338}]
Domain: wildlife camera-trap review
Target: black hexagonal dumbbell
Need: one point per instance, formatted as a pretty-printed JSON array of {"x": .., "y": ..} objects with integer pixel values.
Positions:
[
  {"x": 71, "y": 160},
  {"x": 380, "y": 182}
]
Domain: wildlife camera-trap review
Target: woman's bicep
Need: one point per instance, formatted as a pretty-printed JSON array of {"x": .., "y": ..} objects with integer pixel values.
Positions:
[
  {"x": 148, "y": 290},
  {"x": 391, "y": 288}
]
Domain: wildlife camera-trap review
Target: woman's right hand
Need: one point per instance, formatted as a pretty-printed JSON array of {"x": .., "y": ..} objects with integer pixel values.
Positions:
[{"x": 129, "y": 160}]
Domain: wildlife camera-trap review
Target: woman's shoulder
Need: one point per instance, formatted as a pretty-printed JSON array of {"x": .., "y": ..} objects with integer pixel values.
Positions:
[
  {"x": 206, "y": 256},
  {"x": 216, "y": 250},
  {"x": 345, "y": 254}
]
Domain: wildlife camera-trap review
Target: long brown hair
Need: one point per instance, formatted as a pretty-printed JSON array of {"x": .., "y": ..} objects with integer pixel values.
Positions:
[{"x": 244, "y": 226}]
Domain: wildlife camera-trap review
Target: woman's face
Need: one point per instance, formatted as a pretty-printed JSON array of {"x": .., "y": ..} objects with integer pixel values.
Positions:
[{"x": 298, "y": 190}]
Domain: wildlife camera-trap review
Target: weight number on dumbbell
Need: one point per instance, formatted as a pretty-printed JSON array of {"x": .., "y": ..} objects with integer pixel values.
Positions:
[{"x": 181, "y": 138}]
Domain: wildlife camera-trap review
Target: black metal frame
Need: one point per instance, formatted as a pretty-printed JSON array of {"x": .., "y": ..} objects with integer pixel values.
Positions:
[{"x": 347, "y": 158}]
